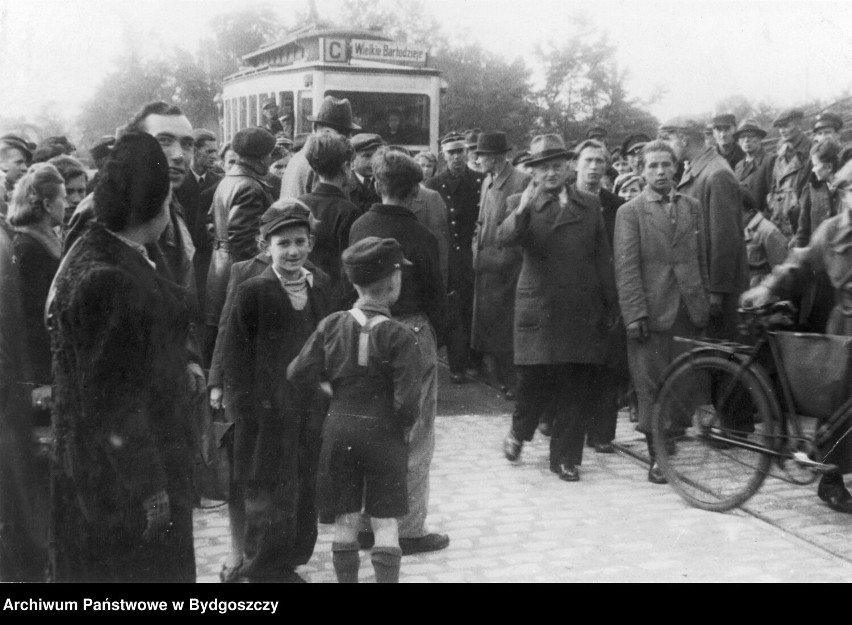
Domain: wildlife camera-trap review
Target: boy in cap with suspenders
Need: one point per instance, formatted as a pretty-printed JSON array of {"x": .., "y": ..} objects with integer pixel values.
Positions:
[{"x": 370, "y": 366}]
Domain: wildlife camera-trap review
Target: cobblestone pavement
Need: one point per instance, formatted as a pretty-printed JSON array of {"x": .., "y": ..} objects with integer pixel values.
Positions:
[{"x": 519, "y": 523}]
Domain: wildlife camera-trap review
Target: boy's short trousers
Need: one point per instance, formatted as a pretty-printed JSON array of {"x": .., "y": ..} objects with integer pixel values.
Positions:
[{"x": 363, "y": 466}]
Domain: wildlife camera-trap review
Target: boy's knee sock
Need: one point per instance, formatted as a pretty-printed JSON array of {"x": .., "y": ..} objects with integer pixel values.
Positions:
[
  {"x": 386, "y": 564},
  {"x": 347, "y": 561}
]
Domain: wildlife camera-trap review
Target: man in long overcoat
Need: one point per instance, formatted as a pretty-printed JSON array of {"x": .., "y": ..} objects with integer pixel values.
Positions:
[
  {"x": 790, "y": 172},
  {"x": 495, "y": 266},
  {"x": 754, "y": 172},
  {"x": 564, "y": 305}
]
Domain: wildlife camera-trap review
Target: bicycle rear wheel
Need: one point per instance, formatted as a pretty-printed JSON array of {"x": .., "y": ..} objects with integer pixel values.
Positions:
[{"x": 713, "y": 425}]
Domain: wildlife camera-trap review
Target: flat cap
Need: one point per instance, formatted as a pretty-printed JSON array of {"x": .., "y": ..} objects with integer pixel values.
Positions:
[
  {"x": 270, "y": 103},
  {"x": 828, "y": 120},
  {"x": 788, "y": 116},
  {"x": 253, "y": 142},
  {"x": 596, "y": 131},
  {"x": 292, "y": 213},
  {"x": 749, "y": 125},
  {"x": 633, "y": 143},
  {"x": 683, "y": 124},
  {"x": 366, "y": 141},
  {"x": 372, "y": 259},
  {"x": 19, "y": 143},
  {"x": 724, "y": 119}
]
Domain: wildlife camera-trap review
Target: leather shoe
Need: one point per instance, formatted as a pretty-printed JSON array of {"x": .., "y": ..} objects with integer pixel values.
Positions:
[
  {"x": 545, "y": 428},
  {"x": 366, "y": 539},
  {"x": 512, "y": 447},
  {"x": 604, "y": 448},
  {"x": 656, "y": 475},
  {"x": 458, "y": 378},
  {"x": 568, "y": 472},
  {"x": 833, "y": 492},
  {"x": 424, "y": 544}
]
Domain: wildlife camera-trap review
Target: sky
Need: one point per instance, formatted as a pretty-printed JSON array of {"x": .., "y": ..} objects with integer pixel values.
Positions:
[{"x": 696, "y": 52}]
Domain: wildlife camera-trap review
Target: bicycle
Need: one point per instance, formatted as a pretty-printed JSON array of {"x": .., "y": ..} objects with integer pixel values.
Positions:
[{"x": 726, "y": 414}]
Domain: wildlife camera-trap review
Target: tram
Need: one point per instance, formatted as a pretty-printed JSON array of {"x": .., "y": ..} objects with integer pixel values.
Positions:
[{"x": 392, "y": 90}]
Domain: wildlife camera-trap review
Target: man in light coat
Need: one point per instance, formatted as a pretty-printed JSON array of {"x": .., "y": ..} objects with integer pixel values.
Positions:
[
  {"x": 495, "y": 266},
  {"x": 564, "y": 305}
]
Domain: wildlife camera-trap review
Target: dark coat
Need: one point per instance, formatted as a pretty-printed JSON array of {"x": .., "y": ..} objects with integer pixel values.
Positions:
[
  {"x": 734, "y": 156},
  {"x": 566, "y": 291},
  {"x": 819, "y": 202},
  {"x": 361, "y": 195},
  {"x": 756, "y": 178},
  {"x": 36, "y": 268},
  {"x": 461, "y": 194},
  {"x": 23, "y": 531},
  {"x": 264, "y": 335},
  {"x": 422, "y": 285},
  {"x": 336, "y": 215},
  {"x": 790, "y": 174},
  {"x": 238, "y": 204},
  {"x": 195, "y": 211},
  {"x": 118, "y": 333},
  {"x": 496, "y": 267}
]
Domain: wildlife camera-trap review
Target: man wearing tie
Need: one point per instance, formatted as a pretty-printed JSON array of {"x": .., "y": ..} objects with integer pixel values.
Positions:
[{"x": 361, "y": 186}]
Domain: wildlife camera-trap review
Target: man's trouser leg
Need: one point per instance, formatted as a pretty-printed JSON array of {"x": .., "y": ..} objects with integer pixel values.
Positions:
[
  {"x": 533, "y": 396},
  {"x": 577, "y": 389},
  {"x": 603, "y": 421},
  {"x": 421, "y": 444}
]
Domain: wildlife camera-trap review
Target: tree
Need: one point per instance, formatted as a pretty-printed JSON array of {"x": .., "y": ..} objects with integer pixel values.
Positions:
[{"x": 403, "y": 20}]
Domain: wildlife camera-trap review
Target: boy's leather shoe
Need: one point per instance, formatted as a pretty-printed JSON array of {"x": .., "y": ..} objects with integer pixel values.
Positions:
[
  {"x": 568, "y": 472},
  {"x": 833, "y": 492},
  {"x": 424, "y": 544}
]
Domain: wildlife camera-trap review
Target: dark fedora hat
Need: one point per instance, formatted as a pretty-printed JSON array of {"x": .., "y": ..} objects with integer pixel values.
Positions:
[
  {"x": 749, "y": 125},
  {"x": 336, "y": 113},
  {"x": 492, "y": 143},
  {"x": 547, "y": 147}
]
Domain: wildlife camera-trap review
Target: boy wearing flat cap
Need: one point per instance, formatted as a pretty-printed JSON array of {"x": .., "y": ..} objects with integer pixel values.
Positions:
[
  {"x": 276, "y": 438},
  {"x": 370, "y": 366}
]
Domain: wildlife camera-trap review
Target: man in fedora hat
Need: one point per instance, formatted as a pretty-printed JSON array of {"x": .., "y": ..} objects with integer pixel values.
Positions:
[
  {"x": 827, "y": 126},
  {"x": 790, "y": 172},
  {"x": 335, "y": 116},
  {"x": 754, "y": 172},
  {"x": 565, "y": 304},
  {"x": 710, "y": 180},
  {"x": 495, "y": 267},
  {"x": 460, "y": 189},
  {"x": 724, "y": 127}
]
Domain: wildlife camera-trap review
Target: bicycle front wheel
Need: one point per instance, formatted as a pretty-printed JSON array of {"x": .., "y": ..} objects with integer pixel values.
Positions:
[{"x": 713, "y": 427}]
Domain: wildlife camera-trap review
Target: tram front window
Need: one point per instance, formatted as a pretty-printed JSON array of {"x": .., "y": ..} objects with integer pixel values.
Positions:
[{"x": 400, "y": 118}]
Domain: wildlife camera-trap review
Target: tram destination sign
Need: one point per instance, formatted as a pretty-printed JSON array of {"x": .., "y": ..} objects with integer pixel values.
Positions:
[{"x": 388, "y": 52}]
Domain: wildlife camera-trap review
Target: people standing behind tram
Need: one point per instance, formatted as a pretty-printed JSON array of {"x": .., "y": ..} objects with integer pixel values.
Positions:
[
  {"x": 460, "y": 188},
  {"x": 241, "y": 198},
  {"x": 334, "y": 117},
  {"x": 330, "y": 157},
  {"x": 826, "y": 255},
  {"x": 754, "y": 171},
  {"x": 790, "y": 172},
  {"x": 76, "y": 180},
  {"x": 724, "y": 129},
  {"x": 361, "y": 185},
  {"x": 496, "y": 267},
  {"x": 121, "y": 495},
  {"x": 565, "y": 304},
  {"x": 662, "y": 279},
  {"x": 711, "y": 181},
  {"x": 591, "y": 162},
  {"x": 421, "y": 306}
]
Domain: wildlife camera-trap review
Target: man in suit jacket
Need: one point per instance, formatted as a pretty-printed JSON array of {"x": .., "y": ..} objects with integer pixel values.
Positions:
[
  {"x": 661, "y": 274},
  {"x": 361, "y": 185},
  {"x": 754, "y": 171},
  {"x": 495, "y": 267},
  {"x": 201, "y": 176},
  {"x": 459, "y": 187},
  {"x": 710, "y": 180},
  {"x": 564, "y": 305}
]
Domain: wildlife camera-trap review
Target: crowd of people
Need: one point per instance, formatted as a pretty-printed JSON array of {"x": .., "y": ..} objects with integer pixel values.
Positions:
[{"x": 298, "y": 290}]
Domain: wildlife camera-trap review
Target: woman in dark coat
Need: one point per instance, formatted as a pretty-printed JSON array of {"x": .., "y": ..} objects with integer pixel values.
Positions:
[{"x": 121, "y": 497}]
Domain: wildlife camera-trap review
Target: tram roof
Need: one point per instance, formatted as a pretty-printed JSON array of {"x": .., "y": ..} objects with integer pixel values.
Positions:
[{"x": 310, "y": 33}]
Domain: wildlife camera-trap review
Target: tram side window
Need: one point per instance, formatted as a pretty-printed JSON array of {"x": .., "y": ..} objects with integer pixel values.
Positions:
[
  {"x": 400, "y": 118},
  {"x": 227, "y": 117},
  {"x": 285, "y": 110},
  {"x": 252, "y": 110},
  {"x": 243, "y": 113}
]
